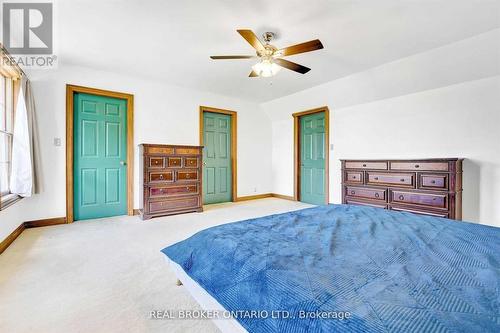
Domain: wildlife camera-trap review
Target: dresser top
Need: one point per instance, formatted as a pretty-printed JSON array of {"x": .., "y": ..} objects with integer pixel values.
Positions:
[
  {"x": 167, "y": 146},
  {"x": 405, "y": 159}
]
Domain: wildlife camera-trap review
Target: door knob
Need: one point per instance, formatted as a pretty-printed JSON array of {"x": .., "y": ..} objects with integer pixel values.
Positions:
[
  {"x": 204, "y": 163},
  {"x": 123, "y": 163}
]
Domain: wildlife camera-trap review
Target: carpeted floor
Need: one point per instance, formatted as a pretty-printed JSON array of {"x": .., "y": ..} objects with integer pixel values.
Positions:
[{"x": 107, "y": 275}]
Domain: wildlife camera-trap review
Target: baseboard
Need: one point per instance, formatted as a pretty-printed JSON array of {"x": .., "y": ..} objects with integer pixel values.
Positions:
[
  {"x": 265, "y": 195},
  {"x": 253, "y": 197},
  {"x": 137, "y": 211},
  {"x": 45, "y": 222},
  {"x": 26, "y": 225},
  {"x": 281, "y": 196},
  {"x": 11, "y": 238}
]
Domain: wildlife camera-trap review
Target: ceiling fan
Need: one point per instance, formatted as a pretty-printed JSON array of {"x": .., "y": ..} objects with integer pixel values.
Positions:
[{"x": 270, "y": 57}]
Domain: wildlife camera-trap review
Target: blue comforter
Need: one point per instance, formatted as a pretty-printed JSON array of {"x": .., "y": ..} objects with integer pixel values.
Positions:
[{"x": 342, "y": 268}]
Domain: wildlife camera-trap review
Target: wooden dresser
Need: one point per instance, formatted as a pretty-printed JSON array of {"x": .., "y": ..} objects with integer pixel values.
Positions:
[
  {"x": 430, "y": 187},
  {"x": 171, "y": 179}
]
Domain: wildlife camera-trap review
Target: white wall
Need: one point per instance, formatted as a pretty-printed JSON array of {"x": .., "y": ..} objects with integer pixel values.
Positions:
[
  {"x": 441, "y": 103},
  {"x": 162, "y": 114}
]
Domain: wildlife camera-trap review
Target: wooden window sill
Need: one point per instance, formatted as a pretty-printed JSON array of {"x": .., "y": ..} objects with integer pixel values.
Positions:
[{"x": 8, "y": 200}]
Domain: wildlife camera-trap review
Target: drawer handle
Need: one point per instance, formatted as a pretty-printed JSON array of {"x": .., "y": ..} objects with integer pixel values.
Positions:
[
  {"x": 433, "y": 182},
  {"x": 417, "y": 166},
  {"x": 161, "y": 177},
  {"x": 376, "y": 178},
  {"x": 353, "y": 177},
  {"x": 364, "y": 165},
  {"x": 377, "y": 195},
  {"x": 401, "y": 197},
  {"x": 353, "y": 192},
  {"x": 402, "y": 180},
  {"x": 187, "y": 176}
]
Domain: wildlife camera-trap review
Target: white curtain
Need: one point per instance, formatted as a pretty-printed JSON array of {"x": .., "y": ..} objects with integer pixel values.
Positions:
[{"x": 25, "y": 168}]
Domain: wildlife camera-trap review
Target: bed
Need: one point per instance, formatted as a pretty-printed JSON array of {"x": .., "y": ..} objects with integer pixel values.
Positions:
[{"x": 345, "y": 268}]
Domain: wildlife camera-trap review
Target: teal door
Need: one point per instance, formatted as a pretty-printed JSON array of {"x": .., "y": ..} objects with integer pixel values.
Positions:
[
  {"x": 312, "y": 155},
  {"x": 216, "y": 158},
  {"x": 100, "y": 153}
]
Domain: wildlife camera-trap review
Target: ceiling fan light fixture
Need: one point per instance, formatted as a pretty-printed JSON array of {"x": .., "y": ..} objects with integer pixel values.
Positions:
[{"x": 266, "y": 68}]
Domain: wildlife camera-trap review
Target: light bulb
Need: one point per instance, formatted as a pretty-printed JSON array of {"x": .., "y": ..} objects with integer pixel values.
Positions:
[{"x": 266, "y": 68}]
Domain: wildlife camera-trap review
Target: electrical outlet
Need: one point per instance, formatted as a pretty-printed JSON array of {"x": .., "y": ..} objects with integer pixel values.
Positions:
[
  {"x": 57, "y": 142},
  {"x": 254, "y": 189},
  {"x": 331, "y": 146}
]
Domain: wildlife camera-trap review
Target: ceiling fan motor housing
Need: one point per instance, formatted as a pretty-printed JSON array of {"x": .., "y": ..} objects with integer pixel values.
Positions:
[{"x": 267, "y": 52}]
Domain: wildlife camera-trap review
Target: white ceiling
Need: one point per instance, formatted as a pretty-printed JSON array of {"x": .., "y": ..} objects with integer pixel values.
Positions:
[{"x": 172, "y": 40}]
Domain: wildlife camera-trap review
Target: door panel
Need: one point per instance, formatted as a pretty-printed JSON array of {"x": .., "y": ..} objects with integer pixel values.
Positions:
[
  {"x": 89, "y": 191},
  {"x": 312, "y": 163},
  {"x": 112, "y": 139},
  {"x": 112, "y": 183},
  {"x": 209, "y": 178},
  {"x": 216, "y": 158},
  {"x": 100, "y": 131}
]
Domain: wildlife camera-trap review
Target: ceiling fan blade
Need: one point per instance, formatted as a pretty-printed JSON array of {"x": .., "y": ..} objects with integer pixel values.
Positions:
[
  {"x": 232, "y": 57},
  {"x": 251, "y": 39},
  {"x": 291, "y": 65},
  {"x": 309, "y": 46},
  {"x": 253, "y": 74}
]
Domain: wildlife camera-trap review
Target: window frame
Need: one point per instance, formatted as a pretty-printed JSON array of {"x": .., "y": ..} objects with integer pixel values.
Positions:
[{"x": 11, "y": 87}]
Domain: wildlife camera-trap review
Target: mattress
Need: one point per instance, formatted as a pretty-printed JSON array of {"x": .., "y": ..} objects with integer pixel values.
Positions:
[{"x": 343, "y": 268}]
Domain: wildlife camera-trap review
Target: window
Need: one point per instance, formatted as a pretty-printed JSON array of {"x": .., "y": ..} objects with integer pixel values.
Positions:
[{"x": 6, "y": 135}]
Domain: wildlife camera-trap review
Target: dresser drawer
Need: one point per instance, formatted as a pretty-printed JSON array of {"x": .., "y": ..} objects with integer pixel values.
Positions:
[
  {"x": 160, "y": 150},
  {"x": 433, "y": 181},
  {"x": 366, "y": 165},
  {"x": 365, "y": 203},
  {"x": 416, "y": 211},
  {"x": 424, "y": 199},
  {"x": 191, "y": 162},
  {"x": 424, "y": 166},
  {"x": 187, "y": 151},
  {"x": 174, "y": 204},
  {"x": 173, "y": 162},
  {"x": 155, "y": 192},
  {"x": 367, "y": 193},
  {"x": 155, "y": 162},
  {"x": 354, "y": 177},
  {"x": 187, "y": 175},
  {"x": 161, "y": 176},
  {"x": 394, "y": 179}
]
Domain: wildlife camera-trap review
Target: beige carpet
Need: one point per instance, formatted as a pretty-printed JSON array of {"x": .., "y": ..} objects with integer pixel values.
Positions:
[{"x": 107, "y": 275}]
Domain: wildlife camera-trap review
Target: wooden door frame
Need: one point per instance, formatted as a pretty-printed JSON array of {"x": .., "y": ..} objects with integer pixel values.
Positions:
[
  {"x": 234, "y": 133},
  {"x": 296, "y": 150},
  {"x": 70, "y": 92}
]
